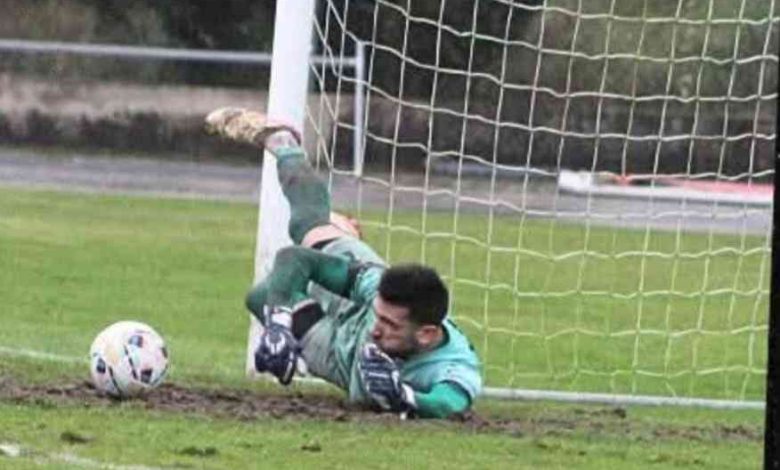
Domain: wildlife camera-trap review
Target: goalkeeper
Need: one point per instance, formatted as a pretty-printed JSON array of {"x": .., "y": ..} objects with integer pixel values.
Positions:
[{"x": 379, "y": 333}]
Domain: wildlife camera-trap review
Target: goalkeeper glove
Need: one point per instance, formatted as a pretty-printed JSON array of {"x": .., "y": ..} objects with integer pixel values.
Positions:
[
  {"x": 278, "y": 351},
  {"x": 381, "y": 380}
]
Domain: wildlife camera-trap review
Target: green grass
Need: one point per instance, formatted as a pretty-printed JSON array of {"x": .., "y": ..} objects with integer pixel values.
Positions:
[
  {"x": 562, "y": 312},
  {"x": 569, "y": 307},
  {"x": 194, "y": 441},
  {"x": 74, "y": 264},
  {"x": 547, "y": 436}
]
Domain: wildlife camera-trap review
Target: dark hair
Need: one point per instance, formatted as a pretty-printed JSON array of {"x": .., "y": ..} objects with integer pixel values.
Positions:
[{"x": 418, "y": 288}]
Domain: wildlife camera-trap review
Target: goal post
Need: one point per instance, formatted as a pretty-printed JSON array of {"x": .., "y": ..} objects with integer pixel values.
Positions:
[
  {"x": 591, "y": 177},
  {"x": 287, "y": 95}
]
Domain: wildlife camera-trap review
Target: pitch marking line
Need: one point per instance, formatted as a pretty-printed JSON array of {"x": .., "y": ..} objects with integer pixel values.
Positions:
[
  {"x": 33, "y": 354},
  {"x": 83, "y": 462},
  {"x": 14, "y": 451}
]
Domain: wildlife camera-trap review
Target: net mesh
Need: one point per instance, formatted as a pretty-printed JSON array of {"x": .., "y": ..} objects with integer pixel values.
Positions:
[{"x": 592, "y": 178}]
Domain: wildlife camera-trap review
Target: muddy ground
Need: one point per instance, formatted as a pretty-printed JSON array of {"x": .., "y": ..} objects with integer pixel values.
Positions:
[{"x": 245, "y": 405}]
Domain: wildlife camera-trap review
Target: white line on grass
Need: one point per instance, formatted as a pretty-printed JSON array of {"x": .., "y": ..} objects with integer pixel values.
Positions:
[
  {"x": 46, "y": 356},
  {"x": 83, "y": 462},
  {"x": 33, "y": 354},
  {"x": 13, "y": 451}
]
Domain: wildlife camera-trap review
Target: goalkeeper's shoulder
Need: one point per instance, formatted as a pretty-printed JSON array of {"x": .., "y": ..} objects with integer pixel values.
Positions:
[
  {"x": 459, "y": 343},
  {"x": 455, "y": 362},
  {"x": 459, "y": 362}
]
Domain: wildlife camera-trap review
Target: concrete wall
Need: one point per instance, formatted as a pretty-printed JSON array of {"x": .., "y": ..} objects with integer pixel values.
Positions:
[
  {"x": 120, "y": 117},
  {"x": 168, "y": 119}
]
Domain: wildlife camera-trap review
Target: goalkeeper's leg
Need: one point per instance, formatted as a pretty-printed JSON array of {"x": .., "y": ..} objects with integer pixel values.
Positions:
[
  {"x": 311, "y": 220},
  {"x": 307, "y": 194}
]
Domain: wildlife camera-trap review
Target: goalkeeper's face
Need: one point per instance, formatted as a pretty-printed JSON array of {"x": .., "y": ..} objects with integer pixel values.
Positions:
[{"x": 394, "y": 332}]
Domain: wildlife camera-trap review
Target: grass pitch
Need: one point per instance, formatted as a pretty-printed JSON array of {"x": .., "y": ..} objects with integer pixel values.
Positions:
[{"x": 71, "y": 264}]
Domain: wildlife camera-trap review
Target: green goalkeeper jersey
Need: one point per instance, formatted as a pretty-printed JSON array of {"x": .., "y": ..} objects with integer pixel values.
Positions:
[
  {"x": 332, "y": 347},
  {"x": 344, "y": 277}
]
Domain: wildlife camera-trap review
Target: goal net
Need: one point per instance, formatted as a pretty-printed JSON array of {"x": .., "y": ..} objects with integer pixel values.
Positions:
[{"x": 591, "y": 177}]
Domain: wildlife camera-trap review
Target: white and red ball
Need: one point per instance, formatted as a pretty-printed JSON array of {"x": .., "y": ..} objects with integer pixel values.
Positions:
[{"x": 127, "y": 359}]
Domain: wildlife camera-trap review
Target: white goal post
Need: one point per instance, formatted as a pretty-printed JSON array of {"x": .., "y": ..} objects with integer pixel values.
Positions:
[
  {"x": 286, "y": 100},
  {"x": 647, "y": 285}
]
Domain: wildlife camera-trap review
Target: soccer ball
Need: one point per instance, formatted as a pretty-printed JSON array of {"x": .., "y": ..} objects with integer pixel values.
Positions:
[{"x": 128, "y": 359}]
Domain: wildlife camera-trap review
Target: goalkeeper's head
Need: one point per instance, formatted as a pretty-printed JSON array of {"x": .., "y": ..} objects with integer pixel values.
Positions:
[{"x": 410, "y": 306}]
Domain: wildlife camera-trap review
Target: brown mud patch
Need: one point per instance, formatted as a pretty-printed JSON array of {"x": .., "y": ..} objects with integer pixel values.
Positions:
[{"x": 247, "y": 405}]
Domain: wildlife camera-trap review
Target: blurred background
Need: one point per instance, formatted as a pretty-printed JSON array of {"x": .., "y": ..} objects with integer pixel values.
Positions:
[
  {"x": 111, "y": 103},
  {"x": 115, "y": 103}
]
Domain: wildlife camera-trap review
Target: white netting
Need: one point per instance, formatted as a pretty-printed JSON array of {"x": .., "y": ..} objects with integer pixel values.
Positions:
[{"x": 590, "y": 176}]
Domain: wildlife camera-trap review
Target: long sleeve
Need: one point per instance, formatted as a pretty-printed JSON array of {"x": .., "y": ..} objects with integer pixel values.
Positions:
[
  {"x": 294, "y": 267},
  {"x": 443, "y": 400}
]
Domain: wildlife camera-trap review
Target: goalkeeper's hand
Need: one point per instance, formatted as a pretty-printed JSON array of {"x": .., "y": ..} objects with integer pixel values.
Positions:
[
  {"x": 381, "y": 380},
  {"x": 278, "y": 350}
]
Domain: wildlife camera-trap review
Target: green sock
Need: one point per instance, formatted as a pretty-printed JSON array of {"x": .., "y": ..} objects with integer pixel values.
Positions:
[{"x": 307, "y": 194}]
